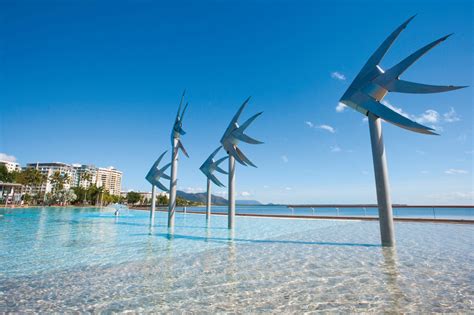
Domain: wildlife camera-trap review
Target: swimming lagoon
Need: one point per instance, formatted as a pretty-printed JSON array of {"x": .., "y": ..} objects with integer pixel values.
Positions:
[{"x": 86, "y": 259}]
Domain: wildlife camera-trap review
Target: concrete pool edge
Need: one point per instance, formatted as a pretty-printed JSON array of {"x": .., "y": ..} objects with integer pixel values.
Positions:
[{"x": 284, "y": 216}]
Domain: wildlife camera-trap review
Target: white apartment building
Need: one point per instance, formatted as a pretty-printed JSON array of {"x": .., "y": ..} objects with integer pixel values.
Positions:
[
  {"x": 48, "y": 169},
  {"x": 111, "y": 179},
  {"x": 80, "y": 179},
  {"x": 11, "y": 166}
]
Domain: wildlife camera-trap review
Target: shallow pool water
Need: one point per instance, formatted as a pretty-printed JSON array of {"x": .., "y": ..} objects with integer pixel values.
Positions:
[{"x": 65, "y": 259}]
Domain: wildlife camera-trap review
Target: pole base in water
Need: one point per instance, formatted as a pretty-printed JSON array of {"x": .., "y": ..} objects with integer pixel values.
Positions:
[{"x": 381, "y": 181}]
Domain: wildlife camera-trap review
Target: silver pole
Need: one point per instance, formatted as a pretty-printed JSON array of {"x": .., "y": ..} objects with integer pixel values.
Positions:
[
  {"x": 173, "y": 183},
  {"x": 153, "y": 204},
  {"x": 208, "y": 203},
  {"x": 381, "y": 181},
  {"x": 231, "y": 195}
]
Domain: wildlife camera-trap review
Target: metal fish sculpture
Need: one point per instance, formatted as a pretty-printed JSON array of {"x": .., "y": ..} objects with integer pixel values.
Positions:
[
  {"x": 373, "y": 83},
  {"x": 155, "y": 174},
  {"x": 230, "y": 141},
  {"x": 235, "y": 133},
  {"x": 365, "y": 94},
  {"x": 210, "y": 165},
  {"x": 208, "y": 168}
]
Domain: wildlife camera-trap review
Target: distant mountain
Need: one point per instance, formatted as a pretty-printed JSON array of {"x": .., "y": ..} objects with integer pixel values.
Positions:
[
  {"x": 201, "y": 198},
  {"x": 216, "y": 200},
  {"x": 248, "y": 202}
]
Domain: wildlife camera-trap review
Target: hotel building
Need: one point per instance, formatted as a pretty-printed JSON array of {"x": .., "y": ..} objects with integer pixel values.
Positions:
[
  {"x": 11, "y": 166},
  {"x": 48, "y": 169},
  {"x": 109, "y": 178}
]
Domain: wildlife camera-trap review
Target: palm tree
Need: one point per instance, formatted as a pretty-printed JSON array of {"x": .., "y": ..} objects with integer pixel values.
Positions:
[
  {"x": 86, "y": 177},
  {"x": 59, "y": 181}
]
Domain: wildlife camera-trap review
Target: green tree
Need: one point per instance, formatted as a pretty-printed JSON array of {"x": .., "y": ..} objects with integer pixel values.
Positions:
[
  {"x": 162, "y": 200},
  {"x": 86, "y": 177},
  {"x": 31, "y": 177},
  {"x": 133, "y": 197},
  {"x": 5, "y": 176},
  {"x": 58, "y": 181}
]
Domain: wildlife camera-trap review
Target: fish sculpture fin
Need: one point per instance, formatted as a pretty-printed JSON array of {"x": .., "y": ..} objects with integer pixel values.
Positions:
[
  {"x": 244, "y": 158},
  {"x": 402, "y": 86},
  {"x": 395, "y": 118},
  {"x": 215, "y": 180},
  {"x": 394, "y": 72},
  {"x": 377, "y": 56}
]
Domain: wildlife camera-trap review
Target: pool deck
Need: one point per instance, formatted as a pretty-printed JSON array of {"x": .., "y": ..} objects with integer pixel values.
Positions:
[{"x": 285, "y": 216}]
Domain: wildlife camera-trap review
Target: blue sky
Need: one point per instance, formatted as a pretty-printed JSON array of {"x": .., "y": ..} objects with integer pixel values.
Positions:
[{"x": 99, "y": 82}]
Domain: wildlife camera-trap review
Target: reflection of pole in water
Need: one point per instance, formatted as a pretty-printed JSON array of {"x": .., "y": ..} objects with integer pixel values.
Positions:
[
  {"x": 168, "y": 266},
  {"x": 149, "y": 243},
  {"x": 208, "y": 233},
  {"x": 231, "y": 270},
  {"x": 170, "y": 235},
  {"x": 389, "y": 267},
  {"x": 150, "y": 228}
]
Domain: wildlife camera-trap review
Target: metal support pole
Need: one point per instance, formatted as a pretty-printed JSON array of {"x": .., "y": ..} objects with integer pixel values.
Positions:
[
  {"x": 381, "y": 181},
  {"x": 173, "y": 183},
  {"x": 231, "y": 195},
  {"x": 153, "y": 204},
  {"x": 208, "y": 201}
]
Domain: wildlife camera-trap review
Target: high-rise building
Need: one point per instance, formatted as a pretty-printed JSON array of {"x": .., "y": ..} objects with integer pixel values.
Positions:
[{"x": 110, "y": 179}]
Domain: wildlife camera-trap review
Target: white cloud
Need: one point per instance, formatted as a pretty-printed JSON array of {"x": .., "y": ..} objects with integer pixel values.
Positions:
[
  {"x": 335, "y": 149},
  {"x": 327, "y": 128},
  {"x": 421, "y": 152},
  {"x": 266, "y": 186},
  {"x": 365, "y": 119},
  {"x": 288, "y": 188},
  {"x": 323, "y": 126},
  {"x": 425, "y": 172},
  {"x": 6, "y": 157},
  {"x": 430, "y": 116},
  {"x": 245, "y": 194},
  {"x": 221, "y": 193},
  {"x": 338, "y": 76},
  {"x": 340, "y": 107},
  {"x": 451, "y": 116},
  {"x": 394, "y": 108},
  {"x": 284, "y": 158},
  {"x": 453, "y": 171}
]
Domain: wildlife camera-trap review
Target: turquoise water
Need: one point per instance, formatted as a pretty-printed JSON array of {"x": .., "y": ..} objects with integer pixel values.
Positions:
[
  {"x": 66, "y": 260},
  {"x": 428, "y": 212}
]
